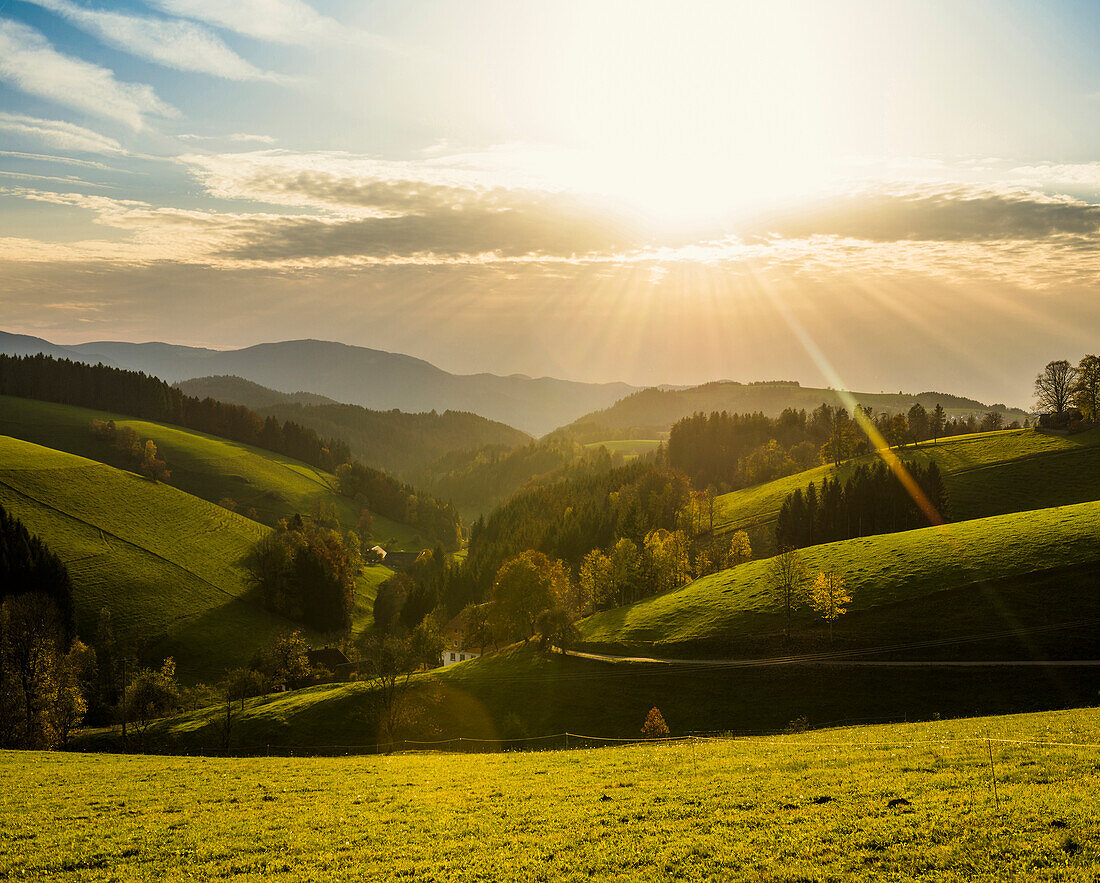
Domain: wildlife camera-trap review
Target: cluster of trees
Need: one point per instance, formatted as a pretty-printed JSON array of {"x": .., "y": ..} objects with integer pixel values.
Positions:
[
  {"x": 306, "y": 572},
  {"x": 139, "y": 395},
  {"x": 42, "y": 667},
  {"x": 381, "y": 494},
  {"x": 730, "y": 451},
  {"x": 138, "y": 452},
  {"x": 565, "y": 521},
  {"x": 871, "y": 501},
  {"x": 1069, "y": 396}
]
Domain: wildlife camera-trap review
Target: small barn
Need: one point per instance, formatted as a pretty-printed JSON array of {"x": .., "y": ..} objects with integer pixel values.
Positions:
[{"x": 332, "y": 659}]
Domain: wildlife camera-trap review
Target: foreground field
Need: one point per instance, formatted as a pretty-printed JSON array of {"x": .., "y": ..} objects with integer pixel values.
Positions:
[{"x": 912, "y": 801}]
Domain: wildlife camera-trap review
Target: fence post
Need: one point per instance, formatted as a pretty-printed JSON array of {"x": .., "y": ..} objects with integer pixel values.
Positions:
[{"x": 993, "y": 774}]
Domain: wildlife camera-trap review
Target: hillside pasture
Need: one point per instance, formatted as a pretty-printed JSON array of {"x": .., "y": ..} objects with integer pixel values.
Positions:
[
  {"x": 985, "y": 474},
  {"x": 904, "y": 801},
  {"x": 878, "y": 570},
  {"x": 169, "y": 566},
  {"x": 206, "y": 466}
]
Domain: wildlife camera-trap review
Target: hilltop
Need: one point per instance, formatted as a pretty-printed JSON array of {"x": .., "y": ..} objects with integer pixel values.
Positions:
[
  {"x": 651, "y": 412},
  {"x": 238, "y": 391},
  {"x": 355, "y": 375}
]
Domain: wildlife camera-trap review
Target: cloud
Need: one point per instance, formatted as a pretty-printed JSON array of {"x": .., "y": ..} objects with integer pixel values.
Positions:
[
  {"x": 30, "y": 63},
  {"x": 176, "y": 44},
  {"x": 237, "y": 137},
  {"x": 937, "y": 212},
  {"x": 275, "y": 21},
  {"x": 59, "y": 134}
]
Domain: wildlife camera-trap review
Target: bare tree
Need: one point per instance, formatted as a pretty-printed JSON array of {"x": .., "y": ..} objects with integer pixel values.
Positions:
[
  {"x": 788, "y": 574},
  {"x": 1054, "y": 387}
]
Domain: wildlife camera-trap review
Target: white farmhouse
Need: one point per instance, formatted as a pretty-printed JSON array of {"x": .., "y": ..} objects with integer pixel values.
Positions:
[{"x": 454, "y": 650}]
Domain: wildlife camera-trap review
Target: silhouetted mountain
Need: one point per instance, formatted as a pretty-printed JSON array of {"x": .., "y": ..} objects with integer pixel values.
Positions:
[
  {"x": 238, "y": 391},
  {"x": 357, "y": 375},
  {"x": 649, "y": 412}
]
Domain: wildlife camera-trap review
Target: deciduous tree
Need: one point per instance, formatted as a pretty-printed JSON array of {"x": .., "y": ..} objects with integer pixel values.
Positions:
[
  {"x": 1054, "y": 387},
  {"x": 788, "y": 575},
  {"x": 828, "y": 596}
]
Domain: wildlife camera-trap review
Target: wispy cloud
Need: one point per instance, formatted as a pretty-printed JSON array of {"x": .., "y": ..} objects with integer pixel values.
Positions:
[
  {"x": 59, "y": 134},
  {"x": 236, "y": 137},
  {"x": 65, "y": 160},
  {"x": 31, "y": 64},
  {"x": 176, "y": 44},
  {"x": 276, "y": 21}
]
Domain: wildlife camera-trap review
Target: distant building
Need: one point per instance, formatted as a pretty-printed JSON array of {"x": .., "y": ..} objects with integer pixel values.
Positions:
[
  {"x": 379, "y": 551},
  {"x": 454, "y": 648},
  {"x": 332, "y": 659}
]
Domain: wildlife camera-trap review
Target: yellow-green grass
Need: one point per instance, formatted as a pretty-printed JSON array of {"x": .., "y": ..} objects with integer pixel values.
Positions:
[
  {"x": 985, "y": 474},
  {"x": 168, "y": 565},
  {"x": 878, "y": 570},
  {"x": 810, "y": 806},
  {"x": 206, "y": 466}
]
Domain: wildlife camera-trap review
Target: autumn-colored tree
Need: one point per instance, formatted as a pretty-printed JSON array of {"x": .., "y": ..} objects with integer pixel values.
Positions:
[
  {"x": 152, "y": 694},
  {"x": 828, "y": 596},
  {"x": 740, "y": 549},
  {"x": 626, "y": 571},
  {"x": 655, "y": 726},
  {"x": 151, "y": 465},
  {"x": 788, "y": 576},
  {"x": 595, "y": 580},
  {"x": 525, "y": 586},
  {"x": 1086, "y": 390}
]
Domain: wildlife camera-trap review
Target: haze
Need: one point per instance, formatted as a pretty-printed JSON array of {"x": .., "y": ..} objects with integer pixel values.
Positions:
[{"x": 857, "y": 194}]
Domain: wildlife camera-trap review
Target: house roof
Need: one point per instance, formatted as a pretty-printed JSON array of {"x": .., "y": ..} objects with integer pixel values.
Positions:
[{"x": 327, "y": 657}]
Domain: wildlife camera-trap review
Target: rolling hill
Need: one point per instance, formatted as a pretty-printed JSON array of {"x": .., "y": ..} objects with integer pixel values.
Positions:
[
  {"x": 238, "y": 391},
  {"x": 355, "y": 375},
  {"x": 207, "y": 466},
  {"x": 887, "y": 569},
  {"x": 650, "y": 412},
  {"x": 986, "y": 474},
  {"x": 167, "y": 564}
]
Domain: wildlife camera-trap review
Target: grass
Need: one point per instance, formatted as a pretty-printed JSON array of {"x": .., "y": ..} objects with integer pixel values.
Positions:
[
  {"x": 168, "y": 565},
  {"x": 812, "y": 807},
  {"x": 878, "y": 570},
  {"x": 985, "y": 474},
  {"x": 206, "y": 466}
]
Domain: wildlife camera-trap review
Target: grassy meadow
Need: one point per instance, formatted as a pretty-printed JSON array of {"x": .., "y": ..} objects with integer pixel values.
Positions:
[
  {"x": 168, "y": 565},
  {"x": 879, "y": 570},
  {"x": 628, "y": 447},
  {"x": 985, "y": 474},
  {"x": 206, "y": 466},
  {"x": 904, "y": 801}
]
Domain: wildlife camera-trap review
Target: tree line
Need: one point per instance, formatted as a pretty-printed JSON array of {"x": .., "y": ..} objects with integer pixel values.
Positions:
[
  {"x": 139, "y": 395},
  {"x": 731, "y": 451},
  {"x": 870, "y": 501}
]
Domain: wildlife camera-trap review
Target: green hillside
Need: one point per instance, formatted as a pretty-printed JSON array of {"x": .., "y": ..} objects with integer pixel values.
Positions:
[
  {"x": 655, "y": 410},
  {"x": 879, "y": 570},
  {"x": 987, "y": 474},
  {"x": 207, "y": 466},
  {"x": 168, "y": 565}
]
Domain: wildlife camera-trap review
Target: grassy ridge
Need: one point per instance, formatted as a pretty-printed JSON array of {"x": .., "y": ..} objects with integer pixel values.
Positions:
[
  {"x": 168, "y": 565},
  {"x": 879, "y": 570},
  {"x": 985, "y": 474},
  {"x": 206, "y": 466}
]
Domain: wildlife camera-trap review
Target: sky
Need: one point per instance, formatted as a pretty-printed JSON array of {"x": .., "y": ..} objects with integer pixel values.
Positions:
[{"x": 878, "y": 195}]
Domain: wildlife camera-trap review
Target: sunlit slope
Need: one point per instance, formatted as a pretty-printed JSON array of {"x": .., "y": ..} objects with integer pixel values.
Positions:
[
  {"x": 168, "y": 565},
  {"x": 878, "y": 570},
  {"x": 207, "y": 466},
  {"x": 986, "y": 474}
]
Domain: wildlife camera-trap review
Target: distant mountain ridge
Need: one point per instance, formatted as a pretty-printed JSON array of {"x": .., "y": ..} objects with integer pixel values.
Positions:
[
  {"x": 238, "y": 391},
  {"x": 356, "y": 375},
  {"x": 654, "y": 410}
]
